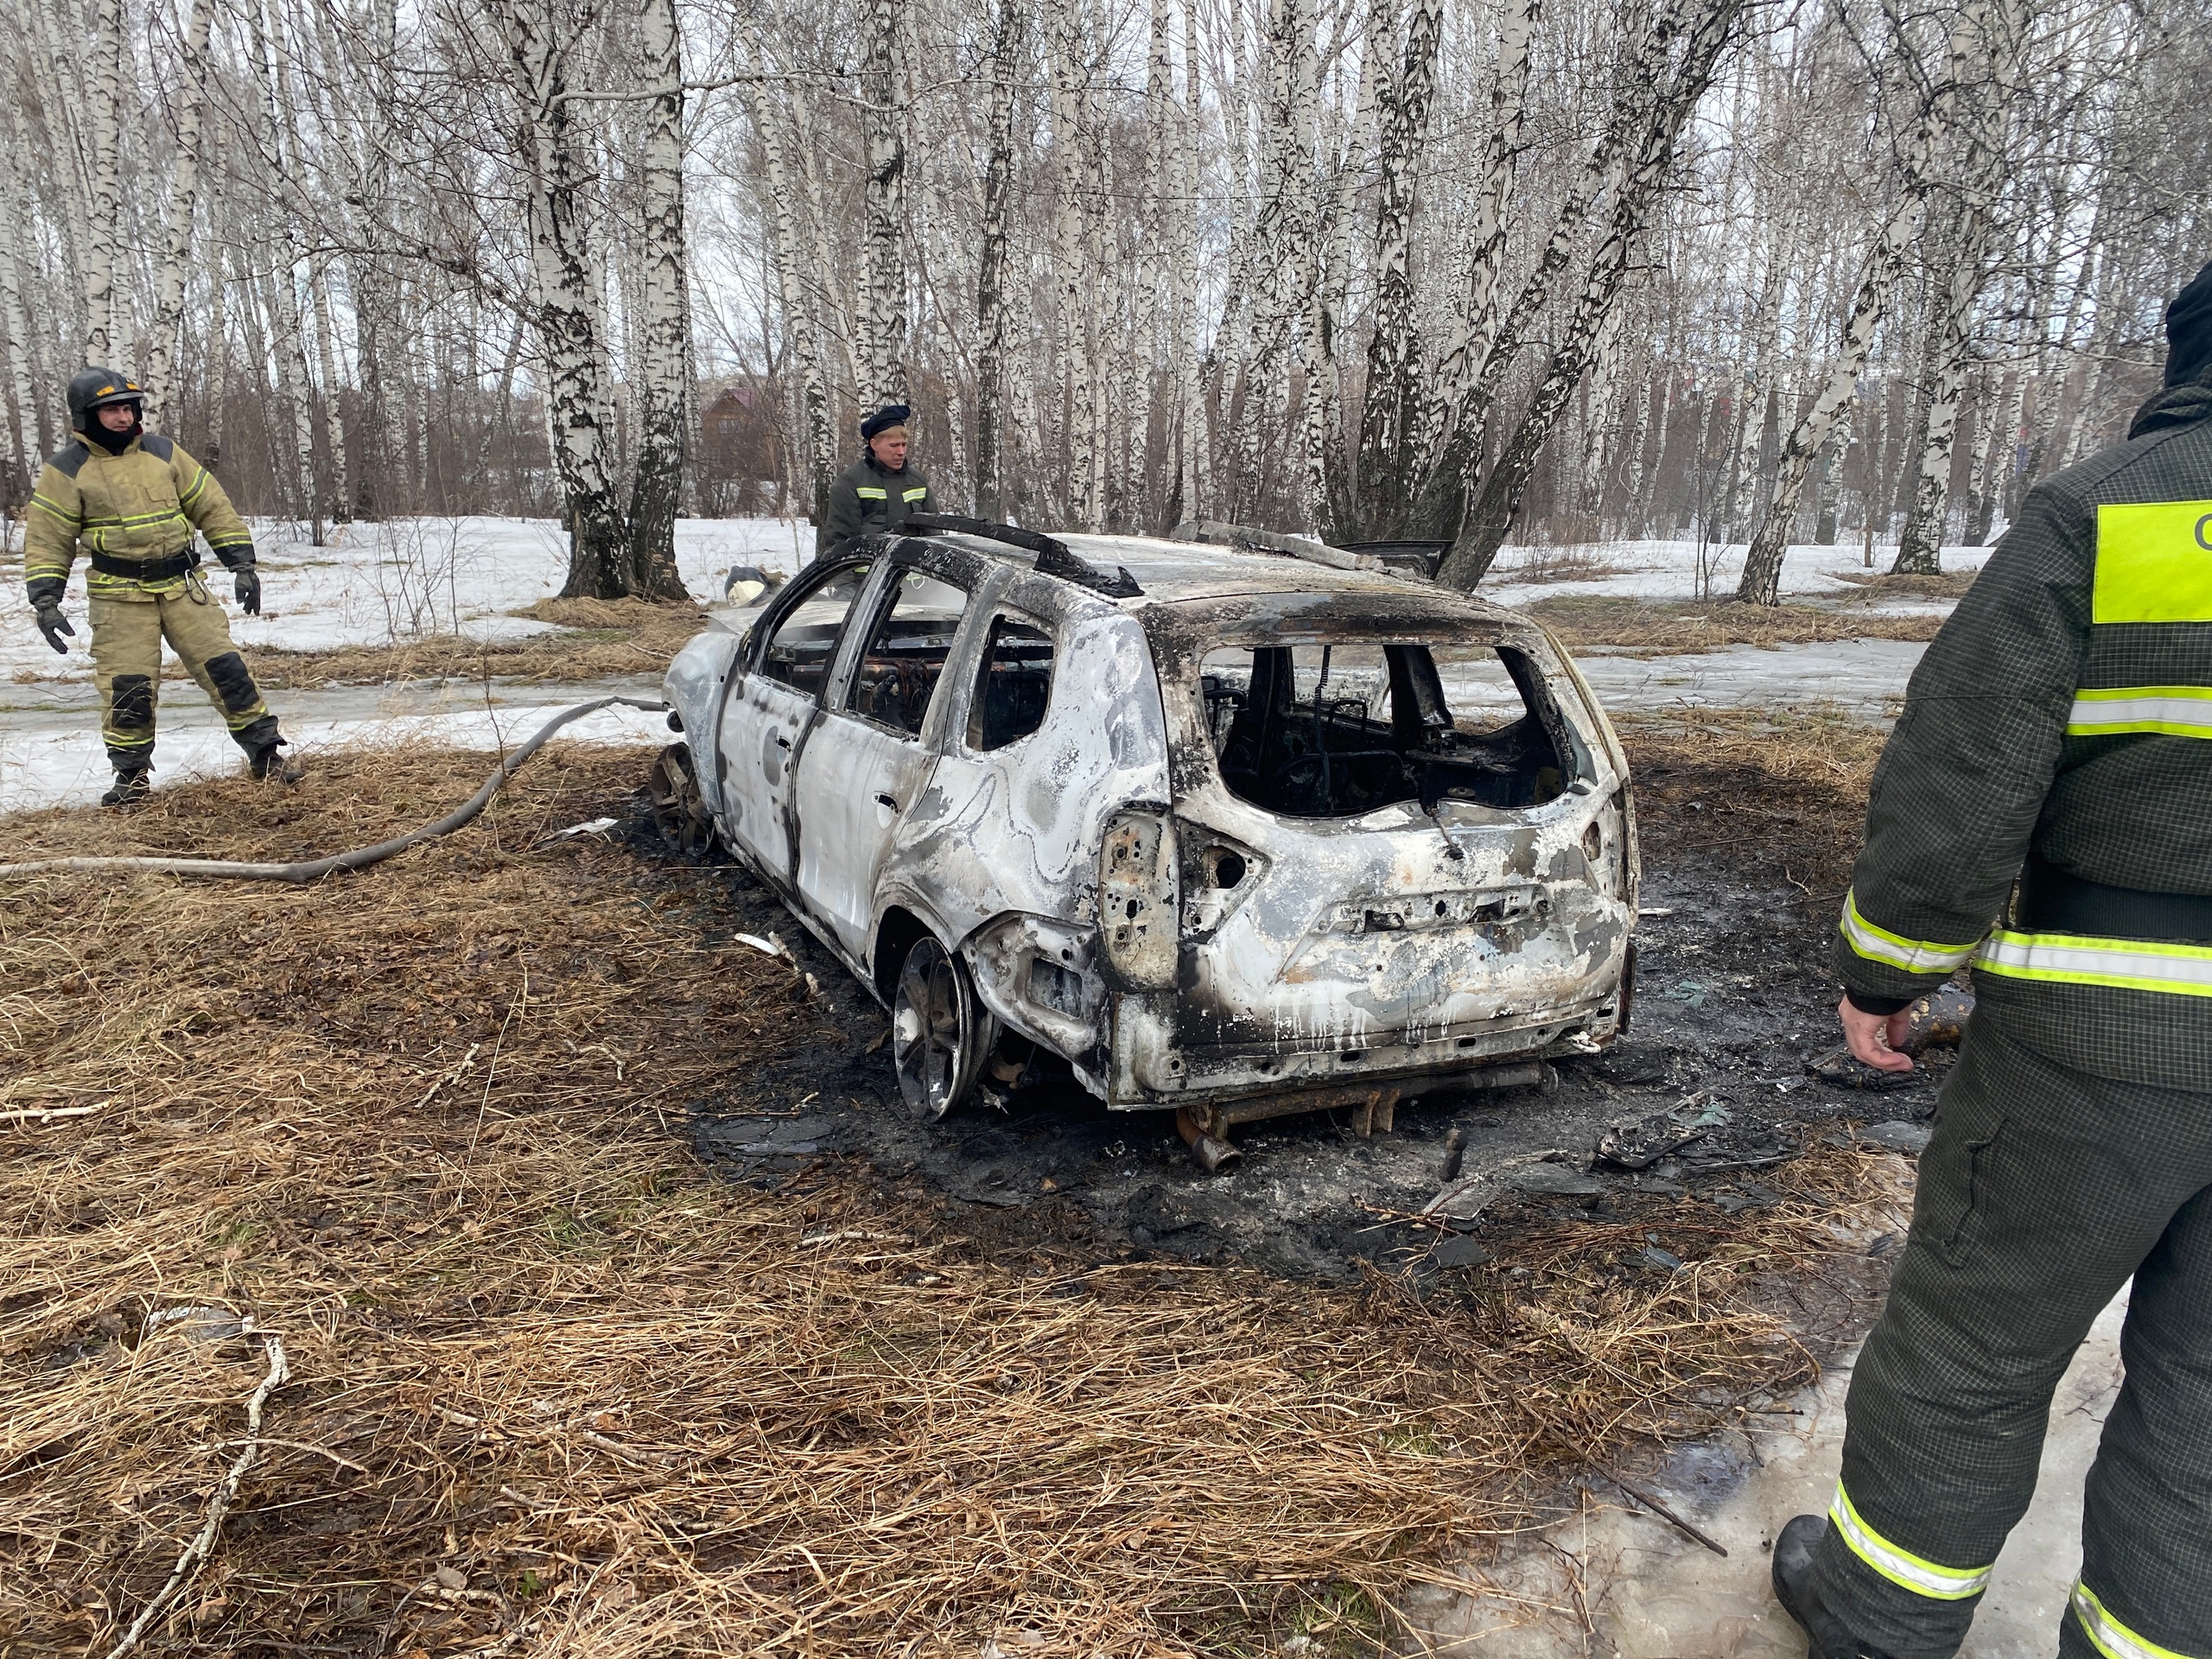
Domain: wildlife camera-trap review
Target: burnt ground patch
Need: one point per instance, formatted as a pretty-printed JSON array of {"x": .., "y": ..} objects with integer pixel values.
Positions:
[{"x": 1747, "y": 828}]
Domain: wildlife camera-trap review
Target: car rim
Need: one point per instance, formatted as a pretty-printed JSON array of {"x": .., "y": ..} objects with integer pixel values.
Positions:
[
  {"x": 928, "y": 1039},
  {"x": 678, "y": 812}
]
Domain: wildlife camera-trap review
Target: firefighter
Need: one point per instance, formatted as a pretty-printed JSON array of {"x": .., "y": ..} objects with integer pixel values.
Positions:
[
  {"x": 133, "y": 499},
  {"x": 878, "y": 491},
  {"x": 2051, "y": 775}
]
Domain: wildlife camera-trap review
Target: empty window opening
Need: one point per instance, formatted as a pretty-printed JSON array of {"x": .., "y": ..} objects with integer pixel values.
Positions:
[
  {"x": 1013, "y": 686},
  {"x": 1330, "y": 731},
  {"x": 798, "y": 653},
  {"x": 904, "y": 658}
]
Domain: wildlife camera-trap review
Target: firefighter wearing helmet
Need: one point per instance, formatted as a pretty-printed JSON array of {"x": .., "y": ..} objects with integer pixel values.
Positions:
[{"x": 132, "y": 499}]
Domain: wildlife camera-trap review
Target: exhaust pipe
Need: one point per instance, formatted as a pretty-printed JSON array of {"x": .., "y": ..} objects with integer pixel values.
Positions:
[{"x": 1209, "y": 1152}]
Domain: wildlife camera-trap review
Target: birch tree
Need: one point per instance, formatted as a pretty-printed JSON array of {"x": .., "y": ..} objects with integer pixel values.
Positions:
[
  {"x": 1761, "y": 583},
  {"x": 565, "y": 292},
  {"x": 665, "y": 325}
]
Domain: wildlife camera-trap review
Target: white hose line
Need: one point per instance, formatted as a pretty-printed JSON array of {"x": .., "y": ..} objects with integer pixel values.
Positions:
[{"x": 361, "y": 857}]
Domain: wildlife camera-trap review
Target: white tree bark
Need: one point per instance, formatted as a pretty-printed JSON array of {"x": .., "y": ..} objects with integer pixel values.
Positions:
[
  {"x": 1761, "y": 583},
  {"x": 1391, "y": 412},
  {"x": 166, "y": 352},
  {"x": 1648, "y": 155},
  {"x": 565, "y": 294},
  {"x": 665, "y": 314},
  {"x": 1070, "y": 97},
  {"x": 883, "y": 117},
  {"x": 1474, "y": 333},
  {"x": 801, "y": 316},
  {"x": 1980, "y": 178},
  {"x": 1190, "y": 445},
  {"x": 102, "y": 296},
  {"x": 991, "y": 266}
]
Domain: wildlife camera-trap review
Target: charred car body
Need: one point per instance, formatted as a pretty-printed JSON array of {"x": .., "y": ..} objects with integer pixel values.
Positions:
[{"x": 1231, "y": 832}]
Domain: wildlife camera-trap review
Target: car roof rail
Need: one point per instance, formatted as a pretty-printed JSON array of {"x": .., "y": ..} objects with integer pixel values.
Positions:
[
  {"x": 1053, "y": 557},
  {"x": 1220, "y": 533}
]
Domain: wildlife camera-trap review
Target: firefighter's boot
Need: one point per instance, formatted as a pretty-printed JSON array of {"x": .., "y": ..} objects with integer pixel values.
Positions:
[
  {"x": 131, "y": 786},
  {"x": 270, "y": 766},
  {"x": 1825, "y": 1635}
]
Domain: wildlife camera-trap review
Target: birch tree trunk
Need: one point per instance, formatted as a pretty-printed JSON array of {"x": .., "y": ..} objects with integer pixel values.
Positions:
[
  {"x": 665, "y": 314},
  {"x": 1070, "y": 96},
  {"x": 1390, "y": 414},
  {"x": 1647, "y": 159},
  {"x": 329, "y": 404},
  {"x": 163, "y": 398},
  {"x": 219, "y": 331},
  {"x": 1191, "y": 415},
  {"x": 801, "y": 315},
  {"x": 1981, "y": 177},
  {"x": 991, "y": 267},
  {"x": 1470, "y": 348},
  {"x": 1989, "y": 406},
  {"x": 565, "y": 291},
  {"x": 883, "y": 117},
  {"x": 1761, "y": 583},
  {"x": 23, "y": 393},
  {"x": 101, "y": 294}
]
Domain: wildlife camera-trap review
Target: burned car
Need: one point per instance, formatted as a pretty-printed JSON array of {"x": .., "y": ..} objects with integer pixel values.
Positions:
[{"x": 1231, "y": 832}]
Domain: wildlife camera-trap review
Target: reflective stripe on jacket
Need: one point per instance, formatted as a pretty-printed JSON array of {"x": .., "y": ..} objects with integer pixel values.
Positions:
[
  {"x": 2064, "y": 708},
  {"x": 865, "y": 498},
  {"x": 140, "y": 506}
]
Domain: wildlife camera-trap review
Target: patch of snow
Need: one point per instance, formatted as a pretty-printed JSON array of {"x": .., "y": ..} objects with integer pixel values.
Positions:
[
  {"x": 1669, "y": 570},
  {"x": 404, "y": 579}
]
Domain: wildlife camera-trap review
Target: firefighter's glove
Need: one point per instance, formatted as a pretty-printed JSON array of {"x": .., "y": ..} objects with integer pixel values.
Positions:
[
  {"x": 249, "y": 591},
  {"x": 52, "y": 623}
]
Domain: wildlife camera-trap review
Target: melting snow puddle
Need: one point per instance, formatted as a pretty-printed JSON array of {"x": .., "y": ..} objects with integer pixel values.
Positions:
[{"x": 1652, "y": 1593}]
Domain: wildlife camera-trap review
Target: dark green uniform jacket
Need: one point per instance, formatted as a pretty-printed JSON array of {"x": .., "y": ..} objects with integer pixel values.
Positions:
[
  {"x": 2059, "y": 731},
  {"x": 137, "y": 508},
  {"x": 867, "y": 498}
]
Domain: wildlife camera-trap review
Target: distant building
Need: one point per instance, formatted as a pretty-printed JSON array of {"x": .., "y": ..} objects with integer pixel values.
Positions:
[{"x": 741, "y": 462}]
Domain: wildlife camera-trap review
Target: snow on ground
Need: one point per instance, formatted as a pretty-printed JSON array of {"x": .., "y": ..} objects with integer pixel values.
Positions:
[
  {"x": 1674, "y": 570},
  {"x": 407, "y": 579},
  {"x": 379, "y": 584}
]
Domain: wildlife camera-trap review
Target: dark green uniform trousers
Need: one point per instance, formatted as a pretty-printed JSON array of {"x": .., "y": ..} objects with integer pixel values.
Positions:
[{"x": 2044, "y": 1188}]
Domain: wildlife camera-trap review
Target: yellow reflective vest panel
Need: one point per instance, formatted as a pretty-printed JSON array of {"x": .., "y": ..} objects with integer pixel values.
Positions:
[{"x": 2061, "y": 713}]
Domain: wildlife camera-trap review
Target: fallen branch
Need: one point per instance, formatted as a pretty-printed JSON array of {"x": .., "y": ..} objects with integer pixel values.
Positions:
[
  {"x": 227, "y": 1492},
  {"x": 44, "y": 1114},
  {"x": 1662, "y": 1511}
]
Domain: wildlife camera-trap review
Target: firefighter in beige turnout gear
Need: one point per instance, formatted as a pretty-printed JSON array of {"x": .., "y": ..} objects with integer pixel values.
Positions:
[
  {"x": 132, "y": 500},
  {"x": 2042, "y": 810}
]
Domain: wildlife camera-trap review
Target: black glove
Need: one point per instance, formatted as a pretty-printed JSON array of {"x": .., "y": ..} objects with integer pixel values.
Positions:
[
  {"x": 249, "y": 591},
  {"x": 53, "y": 624}
]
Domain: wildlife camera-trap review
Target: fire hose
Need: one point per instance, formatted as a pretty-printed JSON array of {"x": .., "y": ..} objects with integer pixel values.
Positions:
[{"x": 359, "y": 858}]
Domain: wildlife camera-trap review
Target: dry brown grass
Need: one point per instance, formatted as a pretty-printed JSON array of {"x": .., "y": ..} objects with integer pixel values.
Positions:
[
  {"x": 1877, "y": 584},
  {"x": 1673, "y": 627},
  {"x": 556, "y": 1385},
  {"x": 598, "y": 639},
  {"x": 1775, "y": 792}
]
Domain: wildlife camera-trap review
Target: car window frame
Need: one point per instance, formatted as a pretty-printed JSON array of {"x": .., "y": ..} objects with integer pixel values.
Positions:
[
  {"x": 998, "y": 610},
  {"x": 852, "y": 647},
  {"x": 766, "y": 627}
]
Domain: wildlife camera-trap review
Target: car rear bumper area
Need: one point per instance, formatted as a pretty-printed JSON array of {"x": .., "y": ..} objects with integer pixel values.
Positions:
[{"x": 1149, "y": 1071}]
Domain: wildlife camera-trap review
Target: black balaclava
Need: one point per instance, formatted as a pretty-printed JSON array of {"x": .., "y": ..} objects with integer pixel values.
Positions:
[
  {"x": 2188, "y": 332},
  {"x": 115, "y": 442}
]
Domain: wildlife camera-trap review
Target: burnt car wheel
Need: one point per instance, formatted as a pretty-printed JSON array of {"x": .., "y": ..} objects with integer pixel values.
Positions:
[
  {"x": 936, "y": 1036},
  {"x": 679, "y": 813}
]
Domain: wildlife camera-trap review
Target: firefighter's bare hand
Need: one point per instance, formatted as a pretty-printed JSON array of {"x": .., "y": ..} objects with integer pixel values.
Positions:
[
  {"x": 1874, "y": 1038},
  {"x": 54, "y": 625}
]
